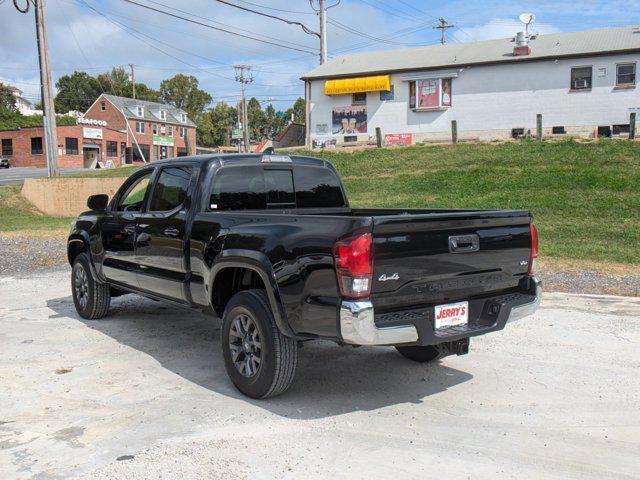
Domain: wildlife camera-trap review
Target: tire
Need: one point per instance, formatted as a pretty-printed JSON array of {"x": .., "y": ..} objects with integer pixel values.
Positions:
[
  {"x": 259, "y": 359},
  {"x": 91, "y": 298},
  {"x": 421, "y": 354}
]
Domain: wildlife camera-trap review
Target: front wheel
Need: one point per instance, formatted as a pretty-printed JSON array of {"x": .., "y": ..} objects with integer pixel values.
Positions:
[
  {"x": 91, "y": 298},
  {"x": 259, "y": 359},
  {"x": 421, "y": 354}
]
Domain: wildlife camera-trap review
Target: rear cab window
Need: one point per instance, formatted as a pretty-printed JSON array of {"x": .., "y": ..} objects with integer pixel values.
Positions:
[{"x": 257, "y": 187}]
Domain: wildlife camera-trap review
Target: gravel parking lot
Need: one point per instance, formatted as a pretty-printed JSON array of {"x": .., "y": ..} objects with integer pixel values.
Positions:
[{"x": 143, "y": 394}]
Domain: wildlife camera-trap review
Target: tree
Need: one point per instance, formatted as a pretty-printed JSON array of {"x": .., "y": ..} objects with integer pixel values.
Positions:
[
  {"x": 182, "y": 92},
  {"x": 7, "y": 100},
  {"x": 76, "y": 92},
  {"x": 215, "y": 125},
  {"x": 256, "y": 119},
  {"x": 116, "y": 82},
  {"x": 299, "y": 111}
]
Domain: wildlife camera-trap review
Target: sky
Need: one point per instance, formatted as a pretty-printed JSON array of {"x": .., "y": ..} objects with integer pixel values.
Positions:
[{"x": 96, "y": 35}]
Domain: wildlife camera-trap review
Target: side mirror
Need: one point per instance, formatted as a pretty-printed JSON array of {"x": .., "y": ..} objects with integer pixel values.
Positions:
[{"x": 98, "y": 202}]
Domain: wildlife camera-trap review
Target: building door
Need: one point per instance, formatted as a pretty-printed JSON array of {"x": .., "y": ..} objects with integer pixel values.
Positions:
[{"x": 91, "y": 156}]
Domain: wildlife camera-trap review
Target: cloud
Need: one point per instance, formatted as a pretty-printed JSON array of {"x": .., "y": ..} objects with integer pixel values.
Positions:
[{"x": 500, "y": 28}]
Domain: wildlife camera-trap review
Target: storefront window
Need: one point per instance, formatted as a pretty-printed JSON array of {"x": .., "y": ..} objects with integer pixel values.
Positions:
[
  {"x": 36, "y": 145},
  {"x": 430, "y": 94},
  {"x": 112, "y": 149},
  {"x": 71, "y": 146},
  {"x": 145, "y": 151}
]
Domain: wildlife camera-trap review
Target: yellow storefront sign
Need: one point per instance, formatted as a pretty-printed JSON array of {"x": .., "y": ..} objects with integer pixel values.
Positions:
[{"x": 357, "y": 85}]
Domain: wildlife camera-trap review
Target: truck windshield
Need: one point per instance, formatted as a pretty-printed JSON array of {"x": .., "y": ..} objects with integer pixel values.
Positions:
[{"x": 255, "y": 188}]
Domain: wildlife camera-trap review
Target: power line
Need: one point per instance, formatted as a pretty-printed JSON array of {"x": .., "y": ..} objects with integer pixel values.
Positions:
[
  {"x": 217, "y": 28},
  {"x": 371, "y": 37},
  {"x": 276, "y": 9},
  {"x": 305, "y": 29}
]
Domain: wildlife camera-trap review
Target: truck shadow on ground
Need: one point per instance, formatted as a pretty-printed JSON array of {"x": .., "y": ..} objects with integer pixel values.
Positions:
[{"x": 337, "y": 379}]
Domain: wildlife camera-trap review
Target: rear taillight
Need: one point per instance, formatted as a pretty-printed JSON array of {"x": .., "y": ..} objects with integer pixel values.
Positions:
[
  {"x": 353, "y": 258},
  {"x": 534, "y": 249}
]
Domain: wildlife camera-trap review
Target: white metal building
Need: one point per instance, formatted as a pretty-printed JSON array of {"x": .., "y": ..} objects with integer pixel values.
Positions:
[{"x": 580, "y": 82}]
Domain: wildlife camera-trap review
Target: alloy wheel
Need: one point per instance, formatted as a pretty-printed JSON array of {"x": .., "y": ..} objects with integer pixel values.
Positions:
[{"x": 245, "y": 345}]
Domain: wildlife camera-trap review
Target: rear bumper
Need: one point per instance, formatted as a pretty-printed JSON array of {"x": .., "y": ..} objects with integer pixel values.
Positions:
[{"x": 359, "y": 324}]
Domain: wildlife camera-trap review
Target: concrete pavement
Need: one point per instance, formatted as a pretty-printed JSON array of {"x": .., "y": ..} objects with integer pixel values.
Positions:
[
  {"x": 143, "y": 394},
  {"x": 13, "y": 175}
]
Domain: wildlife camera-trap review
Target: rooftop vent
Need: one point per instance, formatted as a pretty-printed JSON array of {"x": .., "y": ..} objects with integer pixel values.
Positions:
[{"x": 522, "y": 45}]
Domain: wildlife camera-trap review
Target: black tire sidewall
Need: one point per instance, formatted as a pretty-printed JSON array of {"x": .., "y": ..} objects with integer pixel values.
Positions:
[
  {"x": 260, "y": 384},
  {"x": 83, "y": 262}
]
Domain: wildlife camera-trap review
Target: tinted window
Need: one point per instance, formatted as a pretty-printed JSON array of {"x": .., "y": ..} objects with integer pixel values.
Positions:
[
  {"x": 279, "y": 187},
  {"x": 132, "y": 199},
  {"x": 317, "y": 188},
  {"x": 238, "y": 188},
  {"x": 171, "y": 189}
]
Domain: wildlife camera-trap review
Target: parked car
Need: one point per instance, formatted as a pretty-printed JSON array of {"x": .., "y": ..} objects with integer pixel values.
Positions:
[
  {"x": 270, "y": 244},
  {"x": 4, "y": 162}
]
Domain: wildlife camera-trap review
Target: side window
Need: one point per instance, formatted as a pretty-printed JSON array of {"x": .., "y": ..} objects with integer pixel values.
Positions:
[
  {"x": 133, "y": 198},
  {"x": 238, "y": 188},
  {"x": 170, "y": 191},
  {"x": 317, "y": 188},
  {"x": 279, "y": 187}
]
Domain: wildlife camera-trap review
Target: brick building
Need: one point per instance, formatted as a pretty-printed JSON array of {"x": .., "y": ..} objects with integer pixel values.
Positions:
[{"x": 114, "y": 129}]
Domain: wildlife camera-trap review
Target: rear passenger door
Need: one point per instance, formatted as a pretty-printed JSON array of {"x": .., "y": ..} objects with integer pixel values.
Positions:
[{"x": 162, "y": 233}]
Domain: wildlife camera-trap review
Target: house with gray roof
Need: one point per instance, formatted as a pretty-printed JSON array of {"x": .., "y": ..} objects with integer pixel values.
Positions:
[{"x": 582, "y": 83}]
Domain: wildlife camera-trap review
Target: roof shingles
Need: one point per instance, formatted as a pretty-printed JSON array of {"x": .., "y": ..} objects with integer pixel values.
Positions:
[{"x": 151, "y": 110}]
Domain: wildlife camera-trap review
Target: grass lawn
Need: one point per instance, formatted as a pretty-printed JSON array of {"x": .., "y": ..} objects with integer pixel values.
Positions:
[
  {"x": 18, "y": 216},
  {"x": 585, "y": 197}
]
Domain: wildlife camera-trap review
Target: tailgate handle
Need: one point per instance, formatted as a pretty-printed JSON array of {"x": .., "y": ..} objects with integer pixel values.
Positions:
[{"x": 464, "y": 243}]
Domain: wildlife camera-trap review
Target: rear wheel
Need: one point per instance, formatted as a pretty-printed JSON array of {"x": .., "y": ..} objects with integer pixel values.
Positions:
[
  {"x": 91, "y": 298},
  {"x": 422, "y": 354},
  {"x": 260, "y": 361}
]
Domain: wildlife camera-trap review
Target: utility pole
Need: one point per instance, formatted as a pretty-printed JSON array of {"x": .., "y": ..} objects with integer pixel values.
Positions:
[
  {"x": 443, "y": 27},
  {"x": 49, "y": 117},
  {"x": 323, "y": 31},
  {"x": 244, "y": 80},
  {"x": 133, "y": 80}
]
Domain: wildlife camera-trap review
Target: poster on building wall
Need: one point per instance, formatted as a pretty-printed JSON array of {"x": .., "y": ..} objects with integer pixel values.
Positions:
[
  {"x": 164, "y": 141},
  {"x": 324, "y": 142},
  {"x": 398, "y": 139},
  {"x": 428, "y": 93},
  {"x": 92, "y": 133},
  {"x": 349, "y": 120}
]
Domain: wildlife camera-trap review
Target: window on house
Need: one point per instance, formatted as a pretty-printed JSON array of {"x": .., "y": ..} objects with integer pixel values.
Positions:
[
  {"x": 558, "y": 131},
  {"x": 581, "y": 78},
  {"x": 36, "y": 145},
  {"x": 621, "y": 129},
  {"x": 626, "y": 74},
  {"x": 359, "y": 98},
  {"x": 170, "y": 129},
  {"x": 103, "y": 105},
  {"x": 183, "y": 132},
  {"x": 145, "y": 151},
  {"x": 430, "y": 93},
  {"x": 183, "y": 117},
  {"x": 112, "y": 149},
  {"x": 163, "y": 114},
  {"x": 139, "y": 127},
  {"x": 163, "y": 129},
  {"x": 7, "y": 147},
  {"x": 155, "y": 128},
  {"x": 71, "y": 146},
  {"x": 140, "y": 111},
  {"x": 386, "y": 96}
]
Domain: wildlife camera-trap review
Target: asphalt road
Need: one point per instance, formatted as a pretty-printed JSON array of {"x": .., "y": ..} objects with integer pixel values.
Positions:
[
  {"x": 143, "y": 394},
  {"x": 15, "y": 175}
]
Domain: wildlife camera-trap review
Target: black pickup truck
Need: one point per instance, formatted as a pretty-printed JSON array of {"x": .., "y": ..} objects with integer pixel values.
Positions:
[{"x": 269, "y": 244}]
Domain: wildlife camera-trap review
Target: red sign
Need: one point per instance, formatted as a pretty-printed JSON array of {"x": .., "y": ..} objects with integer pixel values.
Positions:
[{"x": 398, "y": 139}]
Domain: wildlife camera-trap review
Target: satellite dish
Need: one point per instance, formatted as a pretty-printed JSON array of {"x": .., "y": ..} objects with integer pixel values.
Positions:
[{"x": 527, "y": 18}]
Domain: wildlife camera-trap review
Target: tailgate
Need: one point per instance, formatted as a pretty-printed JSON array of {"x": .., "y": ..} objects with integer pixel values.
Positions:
[{"x": 444, "y": 257}]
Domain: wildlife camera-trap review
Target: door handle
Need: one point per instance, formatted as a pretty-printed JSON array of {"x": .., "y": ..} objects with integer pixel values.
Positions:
[{"x": 171, "y": 232}]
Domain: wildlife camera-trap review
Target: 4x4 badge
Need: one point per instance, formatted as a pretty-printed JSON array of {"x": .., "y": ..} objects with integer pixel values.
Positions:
[{"x": 384, "y": 278}]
